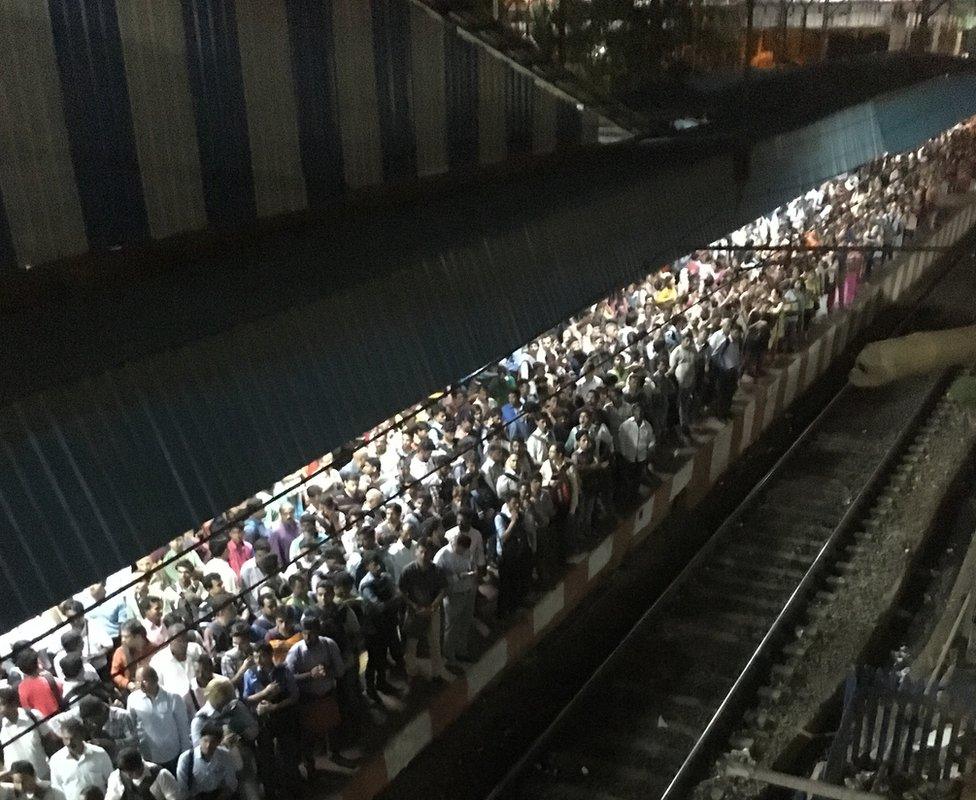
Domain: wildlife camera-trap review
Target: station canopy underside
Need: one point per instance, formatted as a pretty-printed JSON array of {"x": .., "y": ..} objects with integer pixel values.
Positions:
[{"x": 109, "y": 449}]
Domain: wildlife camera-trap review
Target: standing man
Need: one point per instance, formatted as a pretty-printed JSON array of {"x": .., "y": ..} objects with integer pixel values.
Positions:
[
  {"x": 465, "y": 524},
  {"x": 514, "y": 557},
  {"x": 239, "y": 550},
  {"x": 727, "y": 367},
  {"x": 160, "y": 717},
  {"x": 272, "y": 694},
  {"x": 207, "y": 770},
  {"x": 284, "y": 533},
  {"x": 683, "y": 370},
  {"x": 108, "y": 613},
  {"x": 540, "y": 440},
  {"x": 456, "y": 560},
  {"x": 134, "y": 648},
  {"x": 24, "y": 784},
  {"x": 382, "y": 603},
  {"x": 176, "y": 664},
  {"x": 98, "y": 645},
  {"x": 636, "y": 438},
  {"x": 316, "y": 662},
  {"x": 78, "y": 765},
  {"x": 136, "y": 779},
  {"x": 21, "y": 738},
  {"x": 424, "y": 585}
]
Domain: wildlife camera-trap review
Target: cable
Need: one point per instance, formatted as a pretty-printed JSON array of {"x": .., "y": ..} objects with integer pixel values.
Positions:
[
  {"x": 608, "y": 356},
  {"x": 241, "y": 593},
  {"x": 169, "y": 559},
  {"x": 221, "y": 528}
]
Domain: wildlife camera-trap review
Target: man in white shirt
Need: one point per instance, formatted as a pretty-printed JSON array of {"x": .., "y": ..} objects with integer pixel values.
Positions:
[
  {"x": 152, "y": 621},
  {"x": 14, "y": 721},
  {"x": 465, "y": 519},
  {"x": 683, "y": 370},
  {"x": 588, "y": 382},
  {"x": 72, "y": 642},
  {"x": 636, "y": 439},
  {"x": 24, "y": 784},
  {"x": 175, "y": 665},
  {"x": 208, "y": 769},
  {"x": 718, "y": 336},
  {"x": 78, "y": 765},
  {"x": 135, "y": 777},
  {"x": 217, "y": 565},
  {"x": 401, "y": 552},
  {"x": 98, "y": 645},
  {"x": 540, "y": 440},
  {"x": 162, "y": 724},
  {"x": 462, "y": 589}
]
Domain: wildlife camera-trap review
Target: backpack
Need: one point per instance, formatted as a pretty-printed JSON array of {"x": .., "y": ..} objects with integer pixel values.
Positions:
[
  {"x": 56, "y": 693},
  {"x": 144, "y": 790},
  {"x": 561, "y": 492}
]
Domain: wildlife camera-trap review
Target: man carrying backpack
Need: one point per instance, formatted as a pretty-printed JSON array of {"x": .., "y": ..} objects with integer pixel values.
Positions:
[{"x": 136, "y": 779}]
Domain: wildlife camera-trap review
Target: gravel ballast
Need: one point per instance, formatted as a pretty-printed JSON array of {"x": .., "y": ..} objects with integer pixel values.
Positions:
[{"x": 843, "y": 624}]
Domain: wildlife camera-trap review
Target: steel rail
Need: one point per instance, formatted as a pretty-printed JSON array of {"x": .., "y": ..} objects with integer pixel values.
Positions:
[{"x": 719, "y": 721}]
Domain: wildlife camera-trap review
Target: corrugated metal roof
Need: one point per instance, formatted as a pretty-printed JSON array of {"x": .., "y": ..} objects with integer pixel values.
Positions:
[{"x": 96, "y": 473}]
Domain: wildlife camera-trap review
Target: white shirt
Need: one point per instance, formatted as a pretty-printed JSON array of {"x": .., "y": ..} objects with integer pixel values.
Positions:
[
  {"x": 587, "y": 383},
  {"x": 716, "y": 339},
  {"x": 175, "y": 676},
  {"x": 156, "y": 634},
  {"x": 165, "y": 787},
  {"x": 44, "y": 792},
  {"x": 88, "y": 673},
  {"x": 477, "y": 550},
  {"x": 162, "y": 724},
  {"x": 28, "y": 747},
  {"x": 348, "y": 539},
  {"x": 682, "y": 361},
  {"x": 225, "y": 571},
  {"x": 456, "y": 565},
  {"x": 73, "y": 775},
  {"x": 400, "y": 556},
  {"x": 636, "y": 441},
  {"x": 538, "y": 445},
  {"x": 506, "y": 484},
  {"x": 96, "y": 643},
  {"x": 208, "y": 776}
]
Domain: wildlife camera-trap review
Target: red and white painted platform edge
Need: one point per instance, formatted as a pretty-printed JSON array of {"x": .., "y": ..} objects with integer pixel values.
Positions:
[{"x": 710, "y": 460}]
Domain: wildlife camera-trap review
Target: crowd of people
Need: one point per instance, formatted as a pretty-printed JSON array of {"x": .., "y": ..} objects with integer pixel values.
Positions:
[{"x": 246, "y": 650}]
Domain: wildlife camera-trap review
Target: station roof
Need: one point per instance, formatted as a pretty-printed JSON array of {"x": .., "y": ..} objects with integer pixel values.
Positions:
[{"x": 133, "y": 410}]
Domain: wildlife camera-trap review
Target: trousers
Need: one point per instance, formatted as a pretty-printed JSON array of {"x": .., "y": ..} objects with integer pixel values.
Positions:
[
  {"x": 414, "y": 629},
  {"x": 458, "y": 620}
]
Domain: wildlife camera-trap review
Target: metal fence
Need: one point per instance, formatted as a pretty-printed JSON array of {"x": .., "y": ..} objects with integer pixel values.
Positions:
[{"x": 901, "y": 730}]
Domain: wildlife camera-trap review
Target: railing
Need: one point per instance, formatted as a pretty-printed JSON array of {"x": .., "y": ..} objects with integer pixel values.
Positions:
[
  {"x": 729, "y": 713},
  {"x": 901, "y": 729},
  {"x": 712, "y": 741}
]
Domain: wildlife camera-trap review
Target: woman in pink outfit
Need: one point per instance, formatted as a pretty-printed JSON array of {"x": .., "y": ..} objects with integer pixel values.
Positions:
[{"x": 852, "y": 278}]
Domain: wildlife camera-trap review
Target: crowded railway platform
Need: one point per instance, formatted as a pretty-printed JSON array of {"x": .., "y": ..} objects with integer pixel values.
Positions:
[{"x": 288, "y": 635}]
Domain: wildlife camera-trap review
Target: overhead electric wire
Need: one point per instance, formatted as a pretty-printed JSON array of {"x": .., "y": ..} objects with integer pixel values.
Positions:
[
  {"x": 397, "y": 423},
  {"x": 393, "y": 423},
  {"x": 403, "y": 489}
]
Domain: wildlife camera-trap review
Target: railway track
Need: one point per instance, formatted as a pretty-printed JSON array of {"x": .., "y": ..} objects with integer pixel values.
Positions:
[
  {"x": 664, "y": 702},
  {"x": 631, "y": 729}
]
